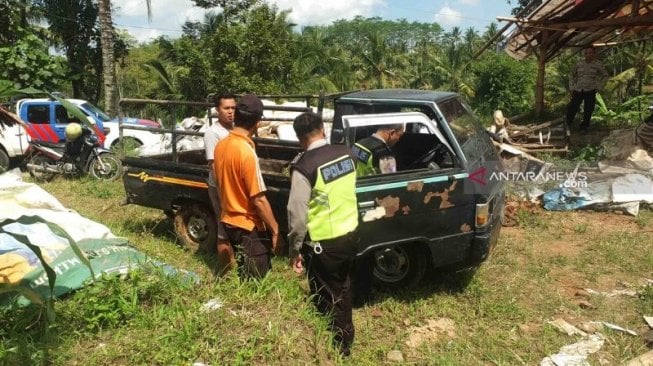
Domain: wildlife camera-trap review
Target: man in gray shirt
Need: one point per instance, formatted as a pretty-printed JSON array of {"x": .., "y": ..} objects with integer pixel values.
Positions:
[
  {"x": 225, "y": 106},
  {"x": 586, "y": 77}
]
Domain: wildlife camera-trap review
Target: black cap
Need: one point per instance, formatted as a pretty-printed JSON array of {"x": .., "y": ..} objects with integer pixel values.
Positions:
[{"x": 250, "y": 103}]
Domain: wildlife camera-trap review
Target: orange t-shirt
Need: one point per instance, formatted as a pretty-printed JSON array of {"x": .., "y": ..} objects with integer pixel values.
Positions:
[{"x": 239, "y": 178}]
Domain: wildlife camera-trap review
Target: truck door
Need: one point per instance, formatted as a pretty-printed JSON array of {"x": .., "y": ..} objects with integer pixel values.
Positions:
[
  {"x": 61, "y": 119},
  {"x": 423, "y": 202},
  {"x": 39, "y": 117}
]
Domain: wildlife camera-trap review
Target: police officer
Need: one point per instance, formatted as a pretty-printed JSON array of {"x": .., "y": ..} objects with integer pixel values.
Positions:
[
  {"x": 587, "y": 76},
  {"x": 374, "y": 154},
  {"x": 323, "y": 217}
]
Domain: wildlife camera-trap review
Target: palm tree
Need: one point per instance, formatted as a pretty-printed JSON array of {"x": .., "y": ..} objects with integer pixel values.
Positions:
[
  {"x": 321, "y": 65},
  {"x": 380, "y": 65},
  {"x": 108, "y": 57}
]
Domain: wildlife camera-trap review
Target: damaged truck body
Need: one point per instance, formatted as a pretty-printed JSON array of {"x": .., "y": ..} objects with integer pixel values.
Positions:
[{"x": 436, "y": 210}]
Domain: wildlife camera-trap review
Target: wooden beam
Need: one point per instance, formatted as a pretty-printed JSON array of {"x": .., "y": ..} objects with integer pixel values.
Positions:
[
  {"x": 526, "y": 131},
  {"x": 541, "y": 66},
  {"x": 645, "y": 359},
  {"x": 637, "y": 20},
  {"x": 635, "y": 8},
  {"x": 499, "y": 34}
]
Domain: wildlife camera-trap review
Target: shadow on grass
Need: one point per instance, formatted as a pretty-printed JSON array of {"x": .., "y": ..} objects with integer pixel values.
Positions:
[
  {"x": 163, "y": 229},
  {"x": 160, "y": 228},
  {"x": 434, "y": 282}
]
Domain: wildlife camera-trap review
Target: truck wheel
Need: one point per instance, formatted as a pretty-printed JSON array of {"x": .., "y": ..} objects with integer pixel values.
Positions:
[
  {"x": 4, "y": 161},
  {"x": 108, "y": 167},
  {"x": 39, "y": 160},
  {"x": 401, "y": 266},
  {"x": 196, "y": 227}
]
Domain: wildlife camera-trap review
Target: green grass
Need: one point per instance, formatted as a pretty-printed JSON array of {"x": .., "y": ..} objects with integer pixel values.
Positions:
[{"x": 499, "y": 312}]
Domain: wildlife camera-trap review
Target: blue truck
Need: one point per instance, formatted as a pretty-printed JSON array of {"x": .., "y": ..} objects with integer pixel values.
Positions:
[{"x": 46, "y": 119}]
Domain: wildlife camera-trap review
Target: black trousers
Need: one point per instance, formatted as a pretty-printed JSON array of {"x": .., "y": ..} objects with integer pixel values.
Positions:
[
  {"x": 329, "y": 279},
  {"x": 252, "y": 250},
  {"x": 588, "y": 98}
]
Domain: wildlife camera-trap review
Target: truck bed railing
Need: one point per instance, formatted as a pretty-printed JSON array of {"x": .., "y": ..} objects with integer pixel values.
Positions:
[{"x": 176, "y": 133}]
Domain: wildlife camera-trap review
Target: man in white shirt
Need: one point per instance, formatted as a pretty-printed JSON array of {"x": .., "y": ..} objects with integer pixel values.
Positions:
[
  {"x": 225, "y": 106},
  {"x": 587, "y": 76}
]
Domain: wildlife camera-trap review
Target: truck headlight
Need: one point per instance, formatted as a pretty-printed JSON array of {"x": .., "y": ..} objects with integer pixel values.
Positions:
[{"x": 482, "y": 214}]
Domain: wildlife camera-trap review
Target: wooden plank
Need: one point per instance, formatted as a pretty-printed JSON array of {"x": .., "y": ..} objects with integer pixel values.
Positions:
[
  {"x": 645, "y": 20},
  {"x": 526, "y": 131},
  {"x": 560, "y": 150},
  {"x": 535, "y": 146},
  {"x": 645, "y": 359}
]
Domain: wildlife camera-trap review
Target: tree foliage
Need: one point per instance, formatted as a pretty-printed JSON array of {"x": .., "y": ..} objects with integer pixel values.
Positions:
[
  {"x": 504, "y": 83},
  {"x": 73, "y": 29},
  {"x": 251, "y": 46},
  {"x": 27, "y": 63}
]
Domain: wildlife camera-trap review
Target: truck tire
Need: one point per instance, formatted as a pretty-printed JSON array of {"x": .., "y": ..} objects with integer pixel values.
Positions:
[
  {"x": 401, "y": 266},
  {"x": 196, "y": 228},
  {"x": 4, "y": 161}
]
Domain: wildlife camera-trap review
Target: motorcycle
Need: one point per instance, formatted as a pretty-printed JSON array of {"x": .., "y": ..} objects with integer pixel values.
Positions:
[{"x": 80, "y": 154}]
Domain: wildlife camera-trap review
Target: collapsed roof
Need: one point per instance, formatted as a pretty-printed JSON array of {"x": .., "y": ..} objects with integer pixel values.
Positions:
[{"x": 558, "y": 24}]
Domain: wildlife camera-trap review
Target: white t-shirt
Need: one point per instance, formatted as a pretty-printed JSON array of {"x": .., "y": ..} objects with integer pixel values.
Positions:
[{"x": 212, "y": 135}]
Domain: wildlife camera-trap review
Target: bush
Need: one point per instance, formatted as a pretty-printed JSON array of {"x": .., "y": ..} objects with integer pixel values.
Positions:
[{"x": 504, "y": 83}]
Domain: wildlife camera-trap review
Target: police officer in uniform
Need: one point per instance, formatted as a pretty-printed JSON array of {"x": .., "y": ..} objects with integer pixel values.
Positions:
[
  {"x": 323, "y": 217},
  {"x": 371, "y": 151},
  {"x": 374, "y": 155}
]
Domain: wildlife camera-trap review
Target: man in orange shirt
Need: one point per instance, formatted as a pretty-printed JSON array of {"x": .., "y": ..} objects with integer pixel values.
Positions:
[{"x": 246, "y": 212}]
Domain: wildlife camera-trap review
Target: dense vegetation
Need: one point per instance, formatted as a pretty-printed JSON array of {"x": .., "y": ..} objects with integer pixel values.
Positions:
[{"x": 250, "y": 46}]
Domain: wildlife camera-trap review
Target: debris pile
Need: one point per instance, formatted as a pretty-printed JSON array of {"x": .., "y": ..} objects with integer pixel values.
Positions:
[{"x": 619, "y": 182}]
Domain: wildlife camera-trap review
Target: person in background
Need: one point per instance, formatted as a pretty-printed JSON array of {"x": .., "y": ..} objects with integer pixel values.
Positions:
[
  {"x": 245, "y": 210},
  {"x": 374, "y": 154},
  {"x": 587, "y": 76},
  {"x": 225, "y": 106},
  {"x": 323, "y": 217},
  {"x": 499, "y": 129}
]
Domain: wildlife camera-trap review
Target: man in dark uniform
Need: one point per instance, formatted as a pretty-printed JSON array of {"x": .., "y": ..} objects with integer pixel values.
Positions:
[
  {"x": 323, "y": 217},
  {"x": 374, "y": 154}
]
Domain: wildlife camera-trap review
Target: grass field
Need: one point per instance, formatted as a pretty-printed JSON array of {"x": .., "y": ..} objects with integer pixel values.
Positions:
[{"x": 540, "y": 270}]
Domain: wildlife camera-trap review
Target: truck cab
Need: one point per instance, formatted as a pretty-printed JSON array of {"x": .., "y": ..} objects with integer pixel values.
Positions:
[{"x": 428, "y": 212}]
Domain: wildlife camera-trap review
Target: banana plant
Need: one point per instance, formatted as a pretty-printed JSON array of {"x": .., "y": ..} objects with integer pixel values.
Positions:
[{"x": 629, "y": 112}]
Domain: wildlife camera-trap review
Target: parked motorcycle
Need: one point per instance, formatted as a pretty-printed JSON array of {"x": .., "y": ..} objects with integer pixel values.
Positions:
[{"x": 82, "y": 153}]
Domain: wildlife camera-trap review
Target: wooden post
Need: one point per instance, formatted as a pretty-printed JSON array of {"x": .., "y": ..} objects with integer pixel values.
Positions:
[{"x": 541, "y": 65}]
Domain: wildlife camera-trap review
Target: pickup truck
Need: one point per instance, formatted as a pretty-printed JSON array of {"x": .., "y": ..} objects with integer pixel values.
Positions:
[
  {"x": 436, "y": 210},
  {"x": 46, "y": 120}
]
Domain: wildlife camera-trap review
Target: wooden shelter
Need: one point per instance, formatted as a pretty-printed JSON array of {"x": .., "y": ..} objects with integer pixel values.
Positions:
[{"x": 545, "y": 27}]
